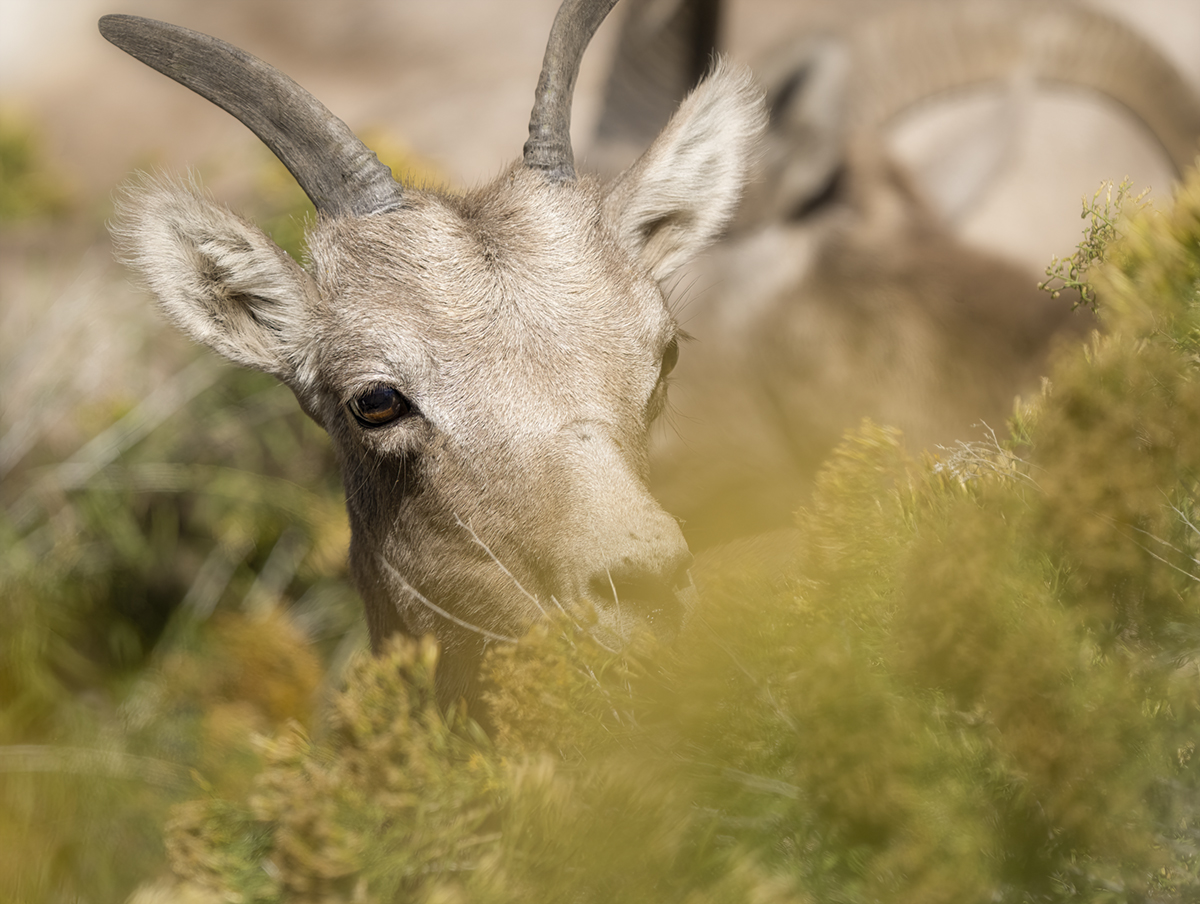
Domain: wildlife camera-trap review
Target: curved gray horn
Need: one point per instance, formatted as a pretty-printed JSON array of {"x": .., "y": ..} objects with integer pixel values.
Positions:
[
  {"x": 549, "y": 144},
  {"x": 920, "y": 50},
  {"x": 339, "y": 173}
]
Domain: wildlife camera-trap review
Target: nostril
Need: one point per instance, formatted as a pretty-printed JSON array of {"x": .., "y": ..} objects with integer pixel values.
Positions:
[
  {"x": 648, "y": 595},
  {"x": 628, "y": 589},
  {"x": 682, "y": 579}
]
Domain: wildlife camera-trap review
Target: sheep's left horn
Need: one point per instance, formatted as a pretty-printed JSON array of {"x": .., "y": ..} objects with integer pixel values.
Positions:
[{"x": 339, "y": 173}]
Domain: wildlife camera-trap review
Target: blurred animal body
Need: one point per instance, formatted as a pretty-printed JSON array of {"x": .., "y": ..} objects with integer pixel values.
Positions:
[
  {"x": 487, "y": 364},
  {"x": 842, "y": 290}
]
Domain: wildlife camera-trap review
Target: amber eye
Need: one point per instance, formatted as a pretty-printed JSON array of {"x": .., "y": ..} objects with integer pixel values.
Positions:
[
  {"x": 379, "y": 406},
  {"x": 669, "y": 359}
]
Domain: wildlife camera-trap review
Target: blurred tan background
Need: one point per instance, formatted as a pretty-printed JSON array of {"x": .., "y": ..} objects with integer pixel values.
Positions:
[
  {"x": 449, "y": 83},
  {"x": 454, "y": 78}
]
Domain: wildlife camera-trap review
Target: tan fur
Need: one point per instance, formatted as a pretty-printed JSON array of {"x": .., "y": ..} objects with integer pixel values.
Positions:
[{"x": 524, "y": 323}]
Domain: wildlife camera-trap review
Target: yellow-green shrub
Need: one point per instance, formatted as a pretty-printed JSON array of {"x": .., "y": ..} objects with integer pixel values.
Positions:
[{"x": 976, "y": 678}]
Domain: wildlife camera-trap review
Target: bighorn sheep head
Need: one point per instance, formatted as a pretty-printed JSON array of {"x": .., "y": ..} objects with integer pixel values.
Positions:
[{"x": 487, "y": 364}]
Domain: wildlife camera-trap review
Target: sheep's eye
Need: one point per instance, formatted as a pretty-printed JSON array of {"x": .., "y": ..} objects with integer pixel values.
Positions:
[
  {"x": 379, "y": 406},
  {"x": 669, "y": 359}
]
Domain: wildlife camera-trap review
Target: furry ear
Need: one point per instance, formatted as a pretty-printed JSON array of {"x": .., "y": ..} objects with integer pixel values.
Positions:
[
  {"x": 804, "y": 149},
  {"x": 217, "y": 277},
  {"x": 683, "y": 191}
]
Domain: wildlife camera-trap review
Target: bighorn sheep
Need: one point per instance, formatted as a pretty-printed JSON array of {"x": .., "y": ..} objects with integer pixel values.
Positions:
[
  {"x": 842, "y": 290},
  {"x": 487, "y": 364}
]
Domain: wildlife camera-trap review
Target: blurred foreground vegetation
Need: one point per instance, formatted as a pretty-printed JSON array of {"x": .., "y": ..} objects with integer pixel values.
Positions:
[{"x": 976, "y": 679}]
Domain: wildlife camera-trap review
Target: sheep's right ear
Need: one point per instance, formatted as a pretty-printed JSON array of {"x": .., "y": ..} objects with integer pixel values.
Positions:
[{"x": 218, "y": 277}]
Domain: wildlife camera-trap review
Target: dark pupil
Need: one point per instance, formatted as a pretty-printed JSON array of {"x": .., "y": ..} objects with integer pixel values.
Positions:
[
  {"x": 379, "y": 406},
  {"x": 670, "y": 358}
]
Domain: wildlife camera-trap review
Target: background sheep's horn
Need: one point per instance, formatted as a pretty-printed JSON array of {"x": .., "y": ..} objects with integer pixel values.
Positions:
[
  {"x": 913, "y": 53},
  {"x": 549, "y": 144},
  {"x": 337, "y": 171}
]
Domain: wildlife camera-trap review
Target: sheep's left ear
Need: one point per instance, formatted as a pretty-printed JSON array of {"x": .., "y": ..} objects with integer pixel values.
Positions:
[{"x": 682, "y": 193}]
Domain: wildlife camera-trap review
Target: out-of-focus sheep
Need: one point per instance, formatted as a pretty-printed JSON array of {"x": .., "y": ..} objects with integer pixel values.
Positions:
[{"x": 843, "y": 291}]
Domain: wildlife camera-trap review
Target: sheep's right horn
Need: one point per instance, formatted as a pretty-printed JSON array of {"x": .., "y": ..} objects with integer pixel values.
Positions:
[
  {"x": 339, "y": 173},
  {"x": 549, "y": 144}
]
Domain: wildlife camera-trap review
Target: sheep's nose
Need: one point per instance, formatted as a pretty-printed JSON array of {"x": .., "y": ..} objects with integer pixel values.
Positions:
[{"x": 658, "y": 594}]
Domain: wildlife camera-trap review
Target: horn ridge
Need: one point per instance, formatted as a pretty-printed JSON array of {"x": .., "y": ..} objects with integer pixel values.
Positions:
[
  {"x": 339, "y": 173},
  {"x": 549, "y": 144}
]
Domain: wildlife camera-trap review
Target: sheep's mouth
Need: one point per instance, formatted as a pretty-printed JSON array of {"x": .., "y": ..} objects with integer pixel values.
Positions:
[{"x": 627, "y": 601}]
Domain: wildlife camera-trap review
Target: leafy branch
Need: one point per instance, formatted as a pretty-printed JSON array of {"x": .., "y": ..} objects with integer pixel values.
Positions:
[{"x": 1071, "y": 272}]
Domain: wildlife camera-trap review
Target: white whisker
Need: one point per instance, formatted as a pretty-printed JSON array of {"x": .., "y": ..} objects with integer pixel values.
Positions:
[
  {"x": 591, "y": 632},
  {"x": 499, "y": 564},
  {"x": 601, "y": 644},
  {"x": 617, "y": 603},
  {"x": 433, "y": 607}
]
